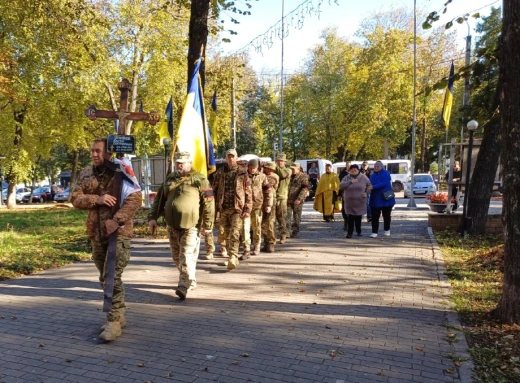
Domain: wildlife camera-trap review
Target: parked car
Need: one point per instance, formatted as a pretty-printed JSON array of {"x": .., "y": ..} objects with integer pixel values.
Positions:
[
  {"x": 20, "y": 193},
  {"x": 42, "y": 195},
  {"x": 423, "y": 185},
  {"x": 62, "y": 196}
]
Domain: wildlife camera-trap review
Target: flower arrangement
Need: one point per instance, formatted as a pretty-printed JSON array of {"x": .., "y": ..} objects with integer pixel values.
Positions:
[{"x": 438, "y": 197}]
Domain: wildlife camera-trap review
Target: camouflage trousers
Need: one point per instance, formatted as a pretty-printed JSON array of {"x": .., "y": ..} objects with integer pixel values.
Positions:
[
  {"x": 210, "y": 243},
  {"x": 184, "y": 246},
  {"x": 268, "y": 222},
  {"x": 294, "y": 217},
  {"x": 245, "y": 233},
  {"x": 99, "y": 256},
  {"x": 230, "y": 225},
  {"x": 281, "y": 216},
  {"x": 256, "y": 226}
]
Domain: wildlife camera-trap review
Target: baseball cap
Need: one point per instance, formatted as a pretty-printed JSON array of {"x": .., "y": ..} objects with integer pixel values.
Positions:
[
  {"x": 231, "y": 151},
  {"x": 182, "y": 157}
]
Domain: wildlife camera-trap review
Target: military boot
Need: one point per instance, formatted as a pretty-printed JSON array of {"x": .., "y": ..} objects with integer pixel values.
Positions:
[
  {"x": 232, "y": 263},
  {"x": 294, "y": 234},
  {"x": 245, "y": 256},
  {"x": 111, "y": 332},
  {"x": 223, "y": 251},
  {"x": 256, "y": 251},
  {"x": 122, "y": 323},
  {"x": 181, "y": 292},
  {"x": 270, "y": 248},
  {"x": 208, "y": 257},
  {"x": 283, "y": 239}
]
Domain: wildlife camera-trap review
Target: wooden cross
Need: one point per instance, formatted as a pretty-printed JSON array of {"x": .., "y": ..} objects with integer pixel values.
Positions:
[{"x": 123, "y": 114}]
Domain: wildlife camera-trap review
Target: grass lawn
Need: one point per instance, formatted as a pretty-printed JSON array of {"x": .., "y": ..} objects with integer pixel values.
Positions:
[
  {"x": 37, "y": 239},
  {"x": 475, "y": 269}
]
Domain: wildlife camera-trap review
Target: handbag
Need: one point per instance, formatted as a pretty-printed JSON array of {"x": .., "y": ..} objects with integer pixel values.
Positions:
[
  {"x": 388, "y": 195},
  {"x": 337, "y": 206}
]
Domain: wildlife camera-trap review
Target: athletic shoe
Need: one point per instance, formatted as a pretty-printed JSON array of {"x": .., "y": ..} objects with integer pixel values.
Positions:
[
  {"x": 373, "y": 235},
  {"x": 387, "y": 233}
]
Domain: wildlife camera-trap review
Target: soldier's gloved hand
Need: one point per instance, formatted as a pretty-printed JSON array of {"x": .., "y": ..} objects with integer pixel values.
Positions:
[
  {"x": 268, "y": 209},
  {"x": 111, "y": 226},
  {"x": 106, "y": 199},
  {"x": 152, "y": 225},
  {"x": 297, "y": 202}
]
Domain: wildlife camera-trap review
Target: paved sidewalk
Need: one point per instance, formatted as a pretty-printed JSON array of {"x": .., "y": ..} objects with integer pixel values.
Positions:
[{"x": 321, "y": 309}]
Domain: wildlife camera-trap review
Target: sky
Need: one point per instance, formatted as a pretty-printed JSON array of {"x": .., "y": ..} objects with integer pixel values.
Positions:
[{"x": 346, "y": 15}]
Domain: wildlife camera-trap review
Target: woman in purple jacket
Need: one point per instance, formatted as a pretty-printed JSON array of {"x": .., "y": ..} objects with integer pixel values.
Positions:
[{"x": 381, "y": 182}]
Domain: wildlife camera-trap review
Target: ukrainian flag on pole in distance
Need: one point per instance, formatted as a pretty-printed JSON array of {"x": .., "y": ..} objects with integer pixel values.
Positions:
[
  {"x": 193, "y": 135},
  {"x": 448, "y": 98}
]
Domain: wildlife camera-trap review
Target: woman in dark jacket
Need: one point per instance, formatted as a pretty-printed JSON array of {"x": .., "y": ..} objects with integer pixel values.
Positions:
[{"x": 381, "y": 182}]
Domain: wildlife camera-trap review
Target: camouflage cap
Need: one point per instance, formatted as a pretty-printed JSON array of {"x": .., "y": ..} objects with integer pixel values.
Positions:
[
  {"x": 182, "y": 157},
  {"x": 281, "y": 157},
  {"x": 294, "y": 165},
  {"x": 231, "y": 151},
  {"x": 270, "y": 165},
  {"x": 253, "y": 163}
]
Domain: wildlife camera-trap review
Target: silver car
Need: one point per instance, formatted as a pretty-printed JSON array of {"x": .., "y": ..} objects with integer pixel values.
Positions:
[
  {"x": 62, "y": 196},
  {"x": 423, "y": 186}
]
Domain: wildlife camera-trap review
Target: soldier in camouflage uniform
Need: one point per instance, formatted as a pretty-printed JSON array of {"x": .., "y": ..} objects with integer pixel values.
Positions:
[
  {"x": 93, "y": 192},
  {"x": 186, "y": 200},
  {"x": 298, "y": 191},
  {"x": 232, "y": 189},
  {"x": 281, "y": 195},
  {"x": 269, "y": 218},
  {"x": 262, "y": 202}
]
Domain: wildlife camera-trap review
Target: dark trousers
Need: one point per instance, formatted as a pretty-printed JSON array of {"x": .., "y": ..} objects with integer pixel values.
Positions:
[
  {"x": 345, "y": 219},
  {"x": 376, "y": 213},
  {"x": 354, "y": 220}
]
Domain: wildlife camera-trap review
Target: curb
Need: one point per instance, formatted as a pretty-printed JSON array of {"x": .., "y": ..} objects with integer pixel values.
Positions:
[{"x": 460, "y": 348}]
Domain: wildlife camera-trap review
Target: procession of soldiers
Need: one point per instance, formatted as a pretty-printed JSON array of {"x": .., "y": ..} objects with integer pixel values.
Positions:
[{"x": 248, "y": 202}]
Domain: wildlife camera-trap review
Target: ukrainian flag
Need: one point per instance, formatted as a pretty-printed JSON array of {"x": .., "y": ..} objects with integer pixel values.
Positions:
[
  {"x": 193, "y": 135},
  {"x": 448, "y": 99},
  {"x": 166, "y": 126}
]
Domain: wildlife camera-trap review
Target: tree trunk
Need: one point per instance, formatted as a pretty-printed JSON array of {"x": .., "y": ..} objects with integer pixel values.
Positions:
[
  {"x": 423, "y": 147},
  {"x": 74, "y": 172},
  {"x": 508, "y": 309},
  {"x": 19, "y": 117},
  {"x": 483, "y": 176},
  {"x": 198, "y": 37}
]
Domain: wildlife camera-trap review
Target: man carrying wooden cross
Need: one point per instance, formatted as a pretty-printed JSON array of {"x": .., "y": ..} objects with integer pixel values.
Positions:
[{"x": 95, "y": 192}]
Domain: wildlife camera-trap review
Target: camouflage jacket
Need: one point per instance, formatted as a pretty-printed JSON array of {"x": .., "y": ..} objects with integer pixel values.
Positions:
[
  {"x": 185, "y": 201},
  {"x": 298, "y": 188},
  {"x": 273, "y": 181},
  {"x": 243, "y": 201},
  {"x": 91, "y": 184},
  {"x": 262, "y": 192},
  {"x": 283, "y": 184}
]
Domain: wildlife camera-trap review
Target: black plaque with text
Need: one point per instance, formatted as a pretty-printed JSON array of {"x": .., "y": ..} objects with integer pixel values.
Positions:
[{"x": 121, "y": 143}]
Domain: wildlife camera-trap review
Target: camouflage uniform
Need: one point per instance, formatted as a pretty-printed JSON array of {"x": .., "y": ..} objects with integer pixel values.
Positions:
[
  {"x": 268, "y": 219},
  {"x": 232, "y": 189},
  {"x": 298, "y": 191},
  {"x": 94, "y": 182},
  {"x": 262, "y": 199},
  {"x": 188, "y": 206},
  {"x": 281, "y": 197}
]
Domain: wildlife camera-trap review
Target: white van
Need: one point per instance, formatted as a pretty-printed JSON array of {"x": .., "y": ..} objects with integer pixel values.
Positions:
[
  {"x": 399, "y": 170},
  {"x": 320, "y": 164}
]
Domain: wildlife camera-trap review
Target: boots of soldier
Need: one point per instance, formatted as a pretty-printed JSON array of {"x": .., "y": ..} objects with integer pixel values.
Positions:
[
  {"x": 111, "y": 332},
  {"x": 223, "y": 251},
  {"x": 181, "y": 292},
  {"x": 283, "y": 239},
  {"x": 270, "y": 248},
  {"x": 232, "y": 263},
  {"x": 294, "y": 234},
  {"x": 256, "y": 251},
  {"x": 122, "y": 323},
  {"x": 208, "y": 256},
  {"x": 246, "y": 255}
]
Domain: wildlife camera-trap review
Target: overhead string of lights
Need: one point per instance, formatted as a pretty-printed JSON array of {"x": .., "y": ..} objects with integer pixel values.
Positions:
[{"x": 294, "y": 20}]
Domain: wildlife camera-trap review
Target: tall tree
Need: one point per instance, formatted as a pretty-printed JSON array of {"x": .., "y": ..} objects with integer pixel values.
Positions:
[
  {"x": 484, "y": 107},
  {"x": 508, "y": 309}
]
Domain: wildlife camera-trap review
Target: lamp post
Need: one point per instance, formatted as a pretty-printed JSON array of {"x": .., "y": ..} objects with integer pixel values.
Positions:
[
  {"x": 466, "y": 221},
  {"x": 411, "y": 202},
  {"x": 166, "y": 143}
]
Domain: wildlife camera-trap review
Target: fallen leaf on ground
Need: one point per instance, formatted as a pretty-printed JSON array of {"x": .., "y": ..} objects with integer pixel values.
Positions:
[{"x": 140, "y": 364}]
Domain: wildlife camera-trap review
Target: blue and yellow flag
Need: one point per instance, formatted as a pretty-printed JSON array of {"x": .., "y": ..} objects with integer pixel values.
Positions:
[
  {"x": 213, "y": 119},
  {"x": 448, "y": 98},
  {"x": 139, "y": 124},
  {"x": 166, "y": 126},
  {"x": 193, "y": 135}
]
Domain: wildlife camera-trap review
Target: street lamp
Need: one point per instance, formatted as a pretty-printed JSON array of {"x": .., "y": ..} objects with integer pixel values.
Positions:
[
  {"x": 466, "y": 221},
  {"x": 166, "y": 143}
]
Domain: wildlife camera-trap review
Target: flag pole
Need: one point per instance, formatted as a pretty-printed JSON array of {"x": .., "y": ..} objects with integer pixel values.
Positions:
[{"x": 411, "y": 203}]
